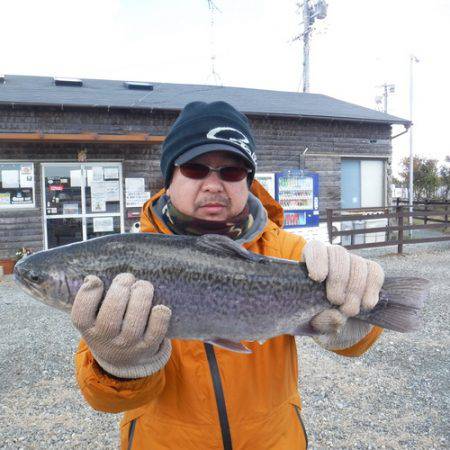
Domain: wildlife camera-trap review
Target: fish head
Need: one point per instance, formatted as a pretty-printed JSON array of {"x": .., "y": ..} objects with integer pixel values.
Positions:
[{"x": 48, "y": 279}]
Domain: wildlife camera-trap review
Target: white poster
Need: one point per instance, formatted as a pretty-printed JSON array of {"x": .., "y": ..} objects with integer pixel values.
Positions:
[
  {"x": 26, "y": 177},
  {"x": 135, "y": 194},
  {"x": 75, "y": 178},
  {"x": 111, "y": 173},
  {"x": 136, "y": 199},
  {"x": 89, "y": 177},
  {"x": 112, "y": 191},
  {"x": 135, "y": 184},
  {"x": 267, "y": 179},
  {"x": 10, "y": 179},
  {"x": 98, "y": 204},
  {"x": 97, "y": 173},
  {"x": 98, "y": 197},
  {"x": 102, "y": 224}
]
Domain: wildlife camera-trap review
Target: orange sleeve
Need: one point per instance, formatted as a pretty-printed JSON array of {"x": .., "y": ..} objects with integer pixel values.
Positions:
[
  {"x": 363, "y": 345},
  {"x": 291, "y": 245},
  {"x": 112, "y": 395}
]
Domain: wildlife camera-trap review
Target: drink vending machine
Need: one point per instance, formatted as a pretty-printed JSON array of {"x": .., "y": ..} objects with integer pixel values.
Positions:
[{"x": 297, "y": 191}]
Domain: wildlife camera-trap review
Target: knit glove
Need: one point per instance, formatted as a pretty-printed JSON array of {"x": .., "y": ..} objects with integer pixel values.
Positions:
[
  {"x": 124, "y": 333},
  {"x": 352, "y": 283}
]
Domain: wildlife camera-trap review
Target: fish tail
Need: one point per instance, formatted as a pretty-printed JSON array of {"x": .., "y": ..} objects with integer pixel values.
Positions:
[{"x": 400, "y": 305}]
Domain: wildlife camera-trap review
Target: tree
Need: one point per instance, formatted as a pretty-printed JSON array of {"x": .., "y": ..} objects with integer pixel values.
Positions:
[
  {"x": 426, "y": 176},
  {"x": 444, "y": 173}
]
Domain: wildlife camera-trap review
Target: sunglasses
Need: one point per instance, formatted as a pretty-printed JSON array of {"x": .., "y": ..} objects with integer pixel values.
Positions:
[{"x": 199, "y": 171}]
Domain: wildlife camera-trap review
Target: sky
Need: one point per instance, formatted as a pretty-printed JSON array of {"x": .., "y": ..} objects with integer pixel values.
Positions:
[{"x": 360, "y": 45}]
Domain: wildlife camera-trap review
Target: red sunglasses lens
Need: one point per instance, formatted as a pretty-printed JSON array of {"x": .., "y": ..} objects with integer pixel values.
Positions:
[
  {"x": 195, "y": 171},
  {"x": 233, "y": 173}
]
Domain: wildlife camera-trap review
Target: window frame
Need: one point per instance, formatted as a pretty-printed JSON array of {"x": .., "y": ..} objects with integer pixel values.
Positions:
[
  {"x": 83, "y": 215},
  {"x": 359, "y": 158}
]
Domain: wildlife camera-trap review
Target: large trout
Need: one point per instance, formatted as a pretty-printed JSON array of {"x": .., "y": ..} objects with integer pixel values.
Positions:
[{"x": 217, "y": 290}]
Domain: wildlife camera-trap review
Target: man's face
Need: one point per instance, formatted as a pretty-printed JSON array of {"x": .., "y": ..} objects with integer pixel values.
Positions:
[{"x": 210, "y": 198}]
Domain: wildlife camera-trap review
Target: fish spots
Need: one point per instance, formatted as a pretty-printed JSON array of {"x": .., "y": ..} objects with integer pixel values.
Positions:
[{"x": 237, "y": 280}]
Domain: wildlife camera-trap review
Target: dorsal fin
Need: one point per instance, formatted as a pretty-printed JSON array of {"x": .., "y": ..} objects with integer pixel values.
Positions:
[{"x": 225, "y": 245}]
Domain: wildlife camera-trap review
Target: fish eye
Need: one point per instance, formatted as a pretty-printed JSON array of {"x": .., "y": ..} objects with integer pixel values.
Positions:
[{"x": 34, "y": 277}]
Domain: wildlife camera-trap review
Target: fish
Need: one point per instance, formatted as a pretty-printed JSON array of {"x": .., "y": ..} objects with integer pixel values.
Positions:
[{"x": 217, "y": 290}]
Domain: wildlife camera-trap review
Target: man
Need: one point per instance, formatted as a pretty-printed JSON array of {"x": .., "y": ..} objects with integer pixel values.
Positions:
[{"x": 187, "y": 394}]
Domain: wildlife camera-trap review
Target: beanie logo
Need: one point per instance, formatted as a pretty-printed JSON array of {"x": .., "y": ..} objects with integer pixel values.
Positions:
[{"x": 229, "y": 134}]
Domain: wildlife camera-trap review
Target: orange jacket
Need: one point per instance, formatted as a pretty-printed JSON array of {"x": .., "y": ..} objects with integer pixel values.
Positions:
[{"x": 177, "y": 407}]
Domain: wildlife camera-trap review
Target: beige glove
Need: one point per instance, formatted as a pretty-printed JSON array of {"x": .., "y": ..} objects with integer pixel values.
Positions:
[
  {"x": 352, "y": 283},
  {"x": 125, "y": 335}
]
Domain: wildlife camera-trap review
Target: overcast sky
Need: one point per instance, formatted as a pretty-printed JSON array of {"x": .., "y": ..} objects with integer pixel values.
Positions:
[{"x": 360, "y": 45}]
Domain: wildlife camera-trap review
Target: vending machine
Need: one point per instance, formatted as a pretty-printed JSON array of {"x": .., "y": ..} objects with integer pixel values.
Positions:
[{"x": 297, "y": 191}]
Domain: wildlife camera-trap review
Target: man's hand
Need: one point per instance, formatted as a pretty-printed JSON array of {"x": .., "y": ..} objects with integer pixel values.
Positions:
[
  {"x": 352, "y": 283},
  {"x": 125, "y": 335}
]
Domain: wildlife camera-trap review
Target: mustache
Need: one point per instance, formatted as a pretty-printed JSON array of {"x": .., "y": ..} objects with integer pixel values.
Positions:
[{"x": 221, "y": 199}]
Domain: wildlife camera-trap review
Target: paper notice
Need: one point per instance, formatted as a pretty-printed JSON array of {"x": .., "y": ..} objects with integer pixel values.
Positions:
[
  {"x": 97, "y": 173},
  {"x": 98, "y": 197},
  {"x": 26, "y": 177},
  {"x": 75, "y": 178},
  {"x": 136, "y": 199},
  {"x": 10, "y": 179},
  {"x": 135, "y": 194},
  {"x": 111, "y": 173},
  {"x": 112, "y": 191},
  {"x": 89, "y": 176},
  {"x": 102, "y": 224},
  {"x": 267, "y": 179},
  {"x": 135, "y": 184}
]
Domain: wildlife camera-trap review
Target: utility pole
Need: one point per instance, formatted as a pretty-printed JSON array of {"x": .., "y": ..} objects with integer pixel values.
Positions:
[
  {"x": 387, "y": 89},
  {"x": 214, "y": 75},
  {"x": 412, "y": 60},
  {"x": 307, "y": 22},
  {"x": 311, "y": 12}
]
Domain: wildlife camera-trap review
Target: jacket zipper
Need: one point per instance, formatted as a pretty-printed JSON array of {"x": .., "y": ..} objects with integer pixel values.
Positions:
[
  {"x": 220, "y": 399},
  {"x": 131, "y": 434},
  {"x": 297, "y": 410}
]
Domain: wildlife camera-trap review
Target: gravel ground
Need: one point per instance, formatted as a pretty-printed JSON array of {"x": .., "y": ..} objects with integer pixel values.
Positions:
[{"x": 394, "y": 397}]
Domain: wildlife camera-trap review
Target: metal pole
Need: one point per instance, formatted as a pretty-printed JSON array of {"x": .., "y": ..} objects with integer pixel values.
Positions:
[
  {"x": 412, "y": 60},
  {"x": 306, "y": 21},
  {"x": 385, "y": 97}
]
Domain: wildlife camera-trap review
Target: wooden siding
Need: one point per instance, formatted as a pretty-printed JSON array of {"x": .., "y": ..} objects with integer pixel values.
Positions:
[{"x": 279, "y": 144}]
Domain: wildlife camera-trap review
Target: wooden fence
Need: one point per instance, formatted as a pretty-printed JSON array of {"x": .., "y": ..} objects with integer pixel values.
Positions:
[{"x": 397, "y": 223}]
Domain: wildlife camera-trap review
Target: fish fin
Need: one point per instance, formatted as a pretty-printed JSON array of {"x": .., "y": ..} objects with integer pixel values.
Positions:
[
  {"x": 400, "y": 305},
  {"x": 305, "y": 329},
  {"x": 229, "y": 345},
  {"x": 224, "y": 244}
]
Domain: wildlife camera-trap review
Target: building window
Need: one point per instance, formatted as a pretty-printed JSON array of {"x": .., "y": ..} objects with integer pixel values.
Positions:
[
  {"x": 16, "y": 185},
  {"x": 82, "y": 201},
  {"x": 362, "y": 183}
]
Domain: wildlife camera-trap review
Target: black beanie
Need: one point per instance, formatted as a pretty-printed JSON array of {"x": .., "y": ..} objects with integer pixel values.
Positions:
[{"x": 204, "y": 127}]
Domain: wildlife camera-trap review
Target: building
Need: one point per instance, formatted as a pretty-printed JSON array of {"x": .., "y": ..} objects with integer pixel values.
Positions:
[{"x": 79, "y": 157}]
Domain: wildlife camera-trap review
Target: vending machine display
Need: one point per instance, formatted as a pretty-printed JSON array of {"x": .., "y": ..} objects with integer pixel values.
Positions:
[{"x": 297, "y": 191}]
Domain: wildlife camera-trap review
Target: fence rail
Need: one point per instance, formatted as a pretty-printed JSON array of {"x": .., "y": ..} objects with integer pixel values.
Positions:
[{"x": 397, "y": 223}]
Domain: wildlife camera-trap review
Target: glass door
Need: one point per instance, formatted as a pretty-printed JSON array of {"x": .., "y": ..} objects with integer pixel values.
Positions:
[{"x": 82, "y": 201}]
